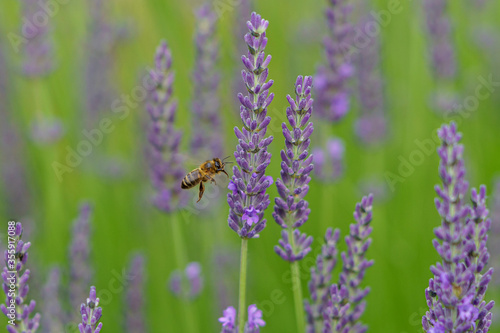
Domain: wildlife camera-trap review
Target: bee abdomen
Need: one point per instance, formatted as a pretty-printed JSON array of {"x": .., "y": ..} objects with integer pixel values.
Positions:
[{"x": 192, "y": 179}]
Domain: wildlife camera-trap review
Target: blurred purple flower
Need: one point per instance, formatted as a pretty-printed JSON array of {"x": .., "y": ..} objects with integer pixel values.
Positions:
[
  {"x": 458, "y": 282},
  {"x": 371, "y": 125},
  {"x": 187, "y": 284},
  {"x": 228, "y": 320},
  {"x": 99, "y": 61},
  {"x": 206, "y": 137},
  {"x": 38, "y": 48},
  {"x": 91, "y": 313},
  {"x": 291, "y": 211},
  {"x": 254, "y": 320},
  {"x": 163, "y": 154},
  {"x": 45, "y": 131},
  {"x": 79, "y": 256},
  {"x": 53, "y": 317},
  {"x": 329, "y": 161},
  {"x": 494, "y": 242},
  {"x": 134, "y": 318},
  {"x": 15, "y": 275},
  {"x": 251, "y": 153},
  {"x": 330, "y": 82}
]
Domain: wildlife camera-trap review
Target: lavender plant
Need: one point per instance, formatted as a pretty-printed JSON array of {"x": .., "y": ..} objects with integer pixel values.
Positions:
[
  {"x": 248, "y": 199},
  {"x": 442, "y": 52},
  {"x": 291, "y": 211},
  {"x": 206, "y": 136},
  {"x": 330, "y": 83},
  {"x": 80, "y": 270},
  {"x": 91, "y": 314},
  {"x": 338, "y": 307},
  {"x": 134, "y": 318},
  {"x": 456, "y": 292},
  {"x": 329, "y": 161},
  {"x": 253, "y": 324},
  {"x": 53, "y": 317},
  {"x": 187, "y": 284},
  {"x": 15, "y": 278},
  {"x": 164, "y": 139},
  {"x": 371, "y": 125}
]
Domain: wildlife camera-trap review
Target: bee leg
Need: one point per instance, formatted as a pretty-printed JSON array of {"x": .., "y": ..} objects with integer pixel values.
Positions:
[
  {"x": 212, "y": 180},
  {"x": 225, "y": 173},
  {"x": 202, "y": 189}
]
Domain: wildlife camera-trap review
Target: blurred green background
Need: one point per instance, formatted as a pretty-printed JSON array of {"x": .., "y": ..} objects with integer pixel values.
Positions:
[{"x": 124, "y": 221}]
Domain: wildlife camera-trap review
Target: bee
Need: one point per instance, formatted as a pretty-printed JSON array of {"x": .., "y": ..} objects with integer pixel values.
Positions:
[{"x": 204, "y": 173}]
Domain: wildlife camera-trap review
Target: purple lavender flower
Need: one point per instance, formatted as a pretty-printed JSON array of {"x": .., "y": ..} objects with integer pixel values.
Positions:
[
  {"x": 98, "y": 88},
  {"x": 187, "y": 284},
  {"x": 455, "y": 293},
  {"x": 15, "y": 282},
  {"x": 206, "y": 106},
  {"x": 248, "y": 199},
  {"x": 371, "y": 125},
  {"x": 330, "y": 82},
  {"x": 91, "y": 313},
  {"x": 338, "y": 307},
  {"x": 254, "y": 320},
  {"x": 321, "y": 275},
  {"x": 46, "y": 130},
  {"x": 164, "y": 139},
  {"x": 494, "y": 242},
  {"x": 223, "y": 276},
  {"x": 80, "y": 270},
  {"x": 291, "y": 210},
  {"x": 134, "y": 319},
  {"x": 38, "y": 51},
  {"x": 228, "y": 320},
  {"x": 52, "y": 311},
  {"x": 329, "y": 161}
]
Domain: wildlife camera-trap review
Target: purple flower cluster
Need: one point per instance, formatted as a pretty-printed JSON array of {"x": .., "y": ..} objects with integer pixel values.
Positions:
[
  {"x": 38, "y": 51},
  {"x": 494, "y": 242},
  {"x": 248, "y": 199},
  {"x": 164, "y": 139},
  {"x": 255, "y": 321},
  {"x": 455, "y": 294},
  {"x": 206, "y": 137},
  {"x": 91, "y": 314},
  {"x": 15, "y": 282},
  {"x": 291, "y": 211},
  {"x": 329, "y": 162},
  {"x": 332, "y": 93},
  {"x": 79, "y": 254},
  {"x": 371, "y": 125},
  {"x": 338, "y": 307},
  {"x": 134, "y": 320},
  {"x": 187, "y": 284},
  {"x": 52, "y": 320}
]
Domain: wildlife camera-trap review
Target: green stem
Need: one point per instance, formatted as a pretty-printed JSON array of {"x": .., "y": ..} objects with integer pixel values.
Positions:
[
  {"x": 181, "y": 258},
  {"x": 243, "y": 285},
  {"x": 297, "y": 296}
]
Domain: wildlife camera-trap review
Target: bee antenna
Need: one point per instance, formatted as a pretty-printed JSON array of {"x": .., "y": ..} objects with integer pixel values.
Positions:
[{"x": 225, "y": 158}]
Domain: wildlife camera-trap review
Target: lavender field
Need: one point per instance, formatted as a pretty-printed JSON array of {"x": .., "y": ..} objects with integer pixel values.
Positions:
[{"x": 250, "y": 166}]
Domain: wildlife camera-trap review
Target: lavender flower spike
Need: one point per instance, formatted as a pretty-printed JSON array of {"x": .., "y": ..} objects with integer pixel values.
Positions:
[
  {"x": 329, "y": 164},
  {"x": 228, "y": 320},
  {"x": 164, "y": 139},
  {"x": 321, "y": 275},
  {"x": 248, "y": 199},
  {"x": 80, "y": 270},
  {"x": 330, "y": 82},
  {"x": 455, "y": 293},
  {"x": 255, "y": 321},
  {"x": 187, "y": 284},
  {"x": 355, "y": 264},
  {"x": 15, "y": 284},
  {"x": 206, "y": 106},
  {"x": 91, "y": 313},
  {"x": 291, "y": 210},
  {"x": 52, "y": 320},
  {"x": 134, "y": 320}
]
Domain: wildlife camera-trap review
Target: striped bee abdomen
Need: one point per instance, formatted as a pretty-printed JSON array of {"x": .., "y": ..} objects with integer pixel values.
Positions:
[{"x": 192, "y": 179}]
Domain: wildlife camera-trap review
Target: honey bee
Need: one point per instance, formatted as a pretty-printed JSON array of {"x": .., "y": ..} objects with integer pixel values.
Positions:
[{"x": 204, "y": 173}]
